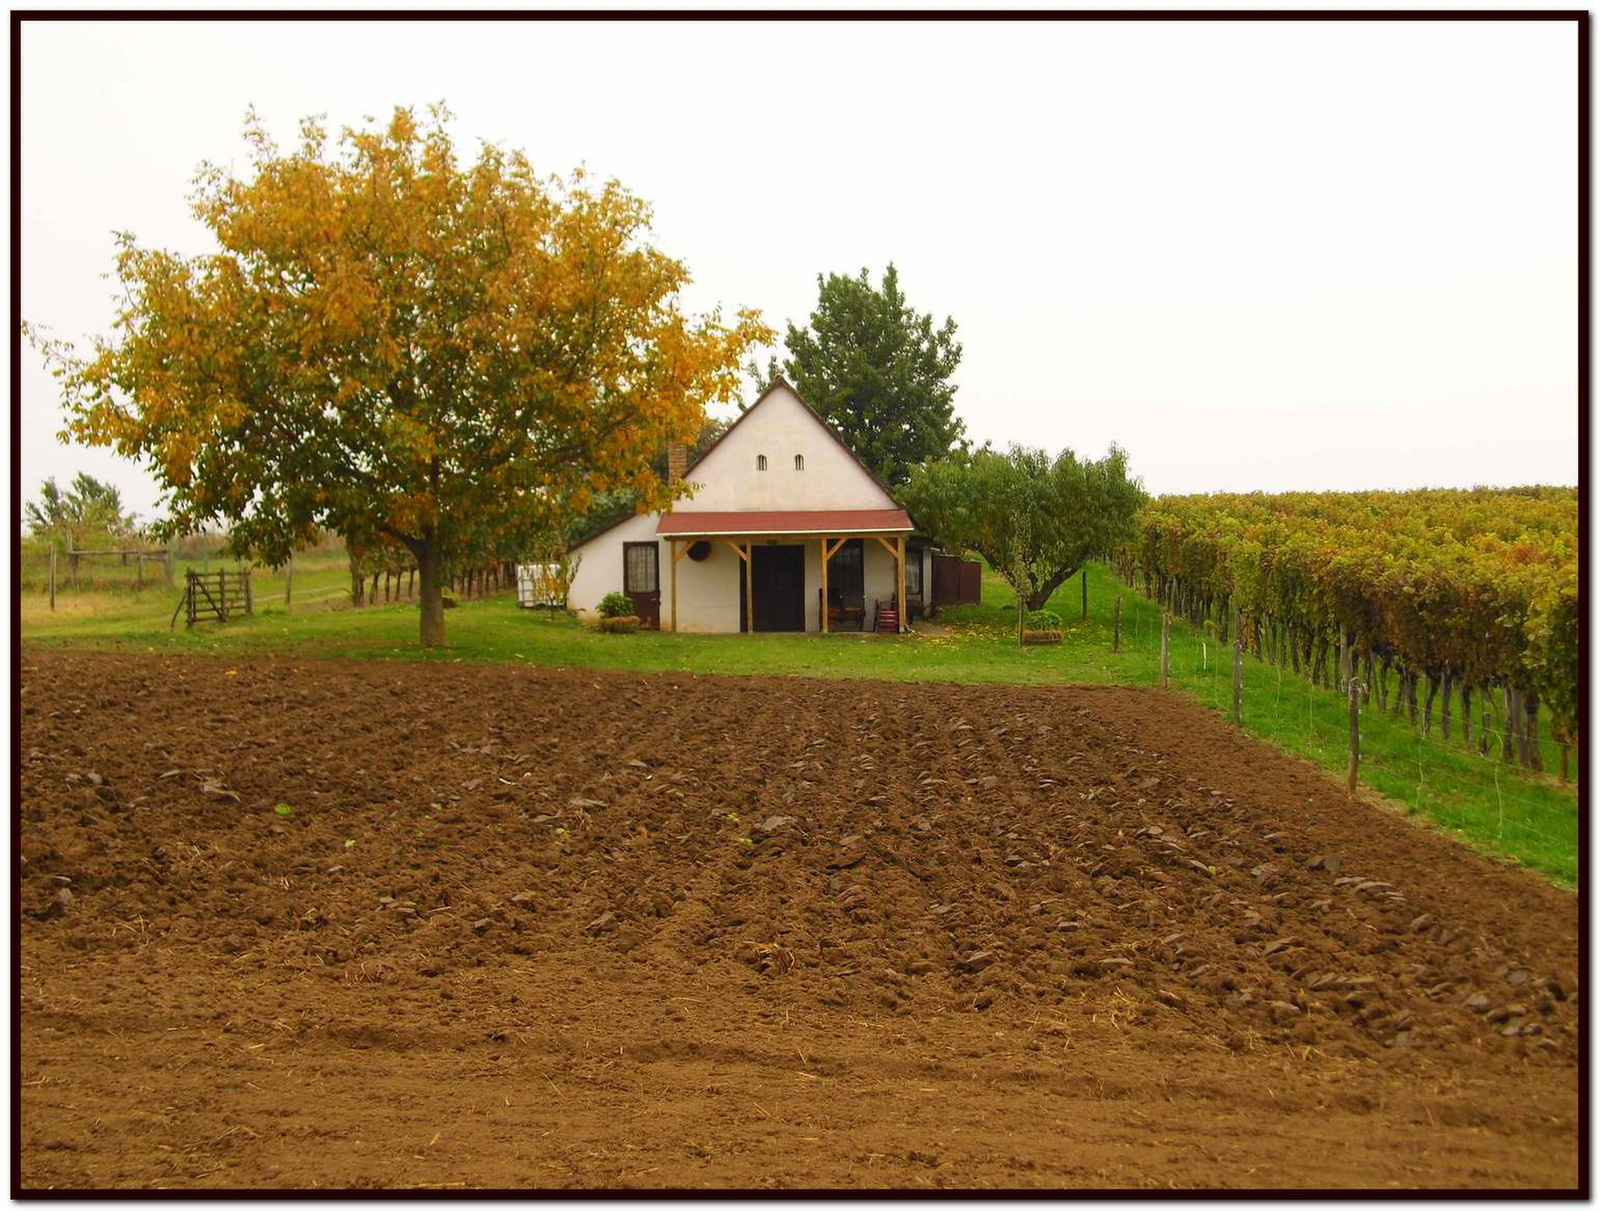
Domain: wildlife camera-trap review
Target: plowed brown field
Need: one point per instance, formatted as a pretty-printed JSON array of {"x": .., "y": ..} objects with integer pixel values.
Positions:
[{"x": 560, "y": 928}]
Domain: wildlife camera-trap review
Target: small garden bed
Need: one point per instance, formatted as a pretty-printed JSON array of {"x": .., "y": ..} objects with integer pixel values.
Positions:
[{"x": 1041, "y": 626}]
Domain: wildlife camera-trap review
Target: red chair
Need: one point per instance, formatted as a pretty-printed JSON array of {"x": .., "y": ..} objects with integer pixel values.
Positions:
[{"x": 888, "y": 616}]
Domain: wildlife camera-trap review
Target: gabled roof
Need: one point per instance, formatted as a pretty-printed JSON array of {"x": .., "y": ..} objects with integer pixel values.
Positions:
[{"x": 780, "y": 381}]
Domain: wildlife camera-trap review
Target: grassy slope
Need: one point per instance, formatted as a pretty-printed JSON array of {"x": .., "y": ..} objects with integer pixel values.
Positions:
[{"x": 1532, "y": 819}]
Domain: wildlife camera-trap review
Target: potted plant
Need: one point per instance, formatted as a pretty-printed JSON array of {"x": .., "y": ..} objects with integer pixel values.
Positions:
[
  {"x": 1042, "y": 626},
  {"x": 616, "y": 614}
]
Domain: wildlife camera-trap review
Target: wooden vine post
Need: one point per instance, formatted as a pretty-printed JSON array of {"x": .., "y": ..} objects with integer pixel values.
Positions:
[
  {"x": 1084, "y": 577},
  {"x": 1354, "y": 690},
  {"x": 1166, "y": 633},
  {"x": 1116, "y": 626},
  {"x": 1238, "y": 671},
  {"x": 288, "y": 580},
  {"x": 52, "y": 574}
]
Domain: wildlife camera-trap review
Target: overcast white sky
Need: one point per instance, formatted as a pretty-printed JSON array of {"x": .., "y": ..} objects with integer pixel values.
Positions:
[{"x": 1258, "y": 255}]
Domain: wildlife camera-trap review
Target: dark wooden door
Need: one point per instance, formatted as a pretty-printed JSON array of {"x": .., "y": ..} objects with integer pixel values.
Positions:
[
  {"x": 641, "y": 581},
  {"x": 778, "y": 576}
]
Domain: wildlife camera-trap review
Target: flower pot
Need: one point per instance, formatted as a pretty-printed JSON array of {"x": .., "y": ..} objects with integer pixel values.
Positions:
[{"x": 1041, "y": 637}]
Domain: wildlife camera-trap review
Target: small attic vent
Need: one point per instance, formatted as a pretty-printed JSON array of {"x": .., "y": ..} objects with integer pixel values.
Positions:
[
  {"x": 799, "y": 462},
  {"x": 761, "y": 462}
]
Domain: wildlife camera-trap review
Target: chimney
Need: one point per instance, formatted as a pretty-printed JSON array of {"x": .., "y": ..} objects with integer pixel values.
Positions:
[{"x": 677, "y": 461}]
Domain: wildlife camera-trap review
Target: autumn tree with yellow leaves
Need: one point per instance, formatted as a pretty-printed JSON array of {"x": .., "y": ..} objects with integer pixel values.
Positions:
[{"x": 398, "y": 346}]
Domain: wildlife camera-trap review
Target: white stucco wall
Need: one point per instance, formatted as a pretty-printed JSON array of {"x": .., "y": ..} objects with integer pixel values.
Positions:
[
  {"x": 781, "y": 427},
  {"x": 708, "y": 590},
  {"x": 600, "y": 562}
]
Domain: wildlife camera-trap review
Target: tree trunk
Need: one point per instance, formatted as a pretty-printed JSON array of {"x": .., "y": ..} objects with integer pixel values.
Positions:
[
  {"x": 1427, "y": 704},
  {"x": 356, "y": 581},
  {"x": 432, "y": 594},
  {"x": 1411, "y": 696},
  {"x": 1466, "y": 714}
]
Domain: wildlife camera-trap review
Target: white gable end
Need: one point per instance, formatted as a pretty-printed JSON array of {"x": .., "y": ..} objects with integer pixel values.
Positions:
[{"x": 778, "y": 429}]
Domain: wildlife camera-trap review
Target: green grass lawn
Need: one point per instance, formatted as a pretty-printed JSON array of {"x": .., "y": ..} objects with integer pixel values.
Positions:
[{"x": 1497, "y": 807}]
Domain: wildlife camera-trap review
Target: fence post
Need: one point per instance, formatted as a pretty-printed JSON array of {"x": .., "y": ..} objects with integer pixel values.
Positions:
[
  {"x": 288, "y": 580},
  {"x": 141, "y": 571},
  {"x": 249, "y": 604},
  {"x": 167, "y": 565},
  {"x": 1084, "y": 577},
  {"x": 222, "y": 593},
  {"x": 1166, "y": 629},
  {"x": 1355, "y": 734},
  {"x": 52, "y": 573},
  {"x": 1116, "y": 626},
  {"x": 1238, "y": 671}
]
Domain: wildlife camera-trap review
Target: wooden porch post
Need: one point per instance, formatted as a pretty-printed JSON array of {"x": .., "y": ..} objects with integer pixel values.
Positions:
[
  {"x": 900, "y": 559},
  {"x": 673, "y": 544},
  {"x": 742, "y": 550},
  {"x": 823, "y": 547}
]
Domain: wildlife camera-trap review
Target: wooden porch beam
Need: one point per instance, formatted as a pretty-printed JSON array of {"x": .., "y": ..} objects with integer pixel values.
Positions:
[
  {"x": 900, "y": 558},
  {"x": 676, "y": 554},
  {"x": 822, "y": 623}
]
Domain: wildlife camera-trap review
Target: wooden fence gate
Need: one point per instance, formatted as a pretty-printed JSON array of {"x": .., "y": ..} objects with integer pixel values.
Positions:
[
  {"x": 214, "y": 596},
  {"x": 955, "y": 580}
]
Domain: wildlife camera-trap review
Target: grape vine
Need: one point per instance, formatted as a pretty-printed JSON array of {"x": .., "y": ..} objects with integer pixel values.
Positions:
[{"x": 1460, "y": 592}]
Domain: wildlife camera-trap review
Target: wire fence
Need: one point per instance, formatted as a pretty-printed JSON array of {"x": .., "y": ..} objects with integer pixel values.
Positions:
[{"x": 1497, "y": 803}]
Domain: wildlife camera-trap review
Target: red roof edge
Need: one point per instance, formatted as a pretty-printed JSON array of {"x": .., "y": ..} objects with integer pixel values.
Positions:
[{"x": 784, "y": 521}]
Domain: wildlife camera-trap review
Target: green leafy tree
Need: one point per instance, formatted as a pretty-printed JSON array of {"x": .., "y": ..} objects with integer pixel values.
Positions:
[
  {"x": 396, "y": 345},
  {"x": 608, "y": 508},
  {"x": 1036, "y": 519},
  {"x": 89, "y": 510},
  {"x": 878, "y": 372}
]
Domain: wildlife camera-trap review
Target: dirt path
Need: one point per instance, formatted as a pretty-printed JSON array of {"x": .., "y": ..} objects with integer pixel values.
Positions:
[{"x": 535, "y": 928}]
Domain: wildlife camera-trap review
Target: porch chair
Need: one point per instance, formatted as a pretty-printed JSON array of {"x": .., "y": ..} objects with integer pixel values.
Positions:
[
  {"x": 888, "y": 617},
  {"x": 852, "y": 607}
]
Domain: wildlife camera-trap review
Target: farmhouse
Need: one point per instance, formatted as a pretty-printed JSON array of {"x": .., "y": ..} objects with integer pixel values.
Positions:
[{"x": 787, "y": 530}]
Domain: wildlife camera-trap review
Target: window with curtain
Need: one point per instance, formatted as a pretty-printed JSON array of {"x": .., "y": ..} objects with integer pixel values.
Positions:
[
  {"x": 639, "y": 567},
  {"x": 914, "y": 573}
]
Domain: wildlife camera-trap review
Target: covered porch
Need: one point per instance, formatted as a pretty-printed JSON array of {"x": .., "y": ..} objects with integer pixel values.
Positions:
[{"x": 808, "y": 570}]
